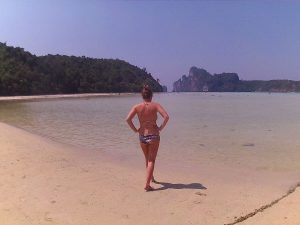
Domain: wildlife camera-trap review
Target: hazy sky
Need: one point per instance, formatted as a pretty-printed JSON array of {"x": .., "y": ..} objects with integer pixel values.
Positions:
[{"x": 256, "y": 39}]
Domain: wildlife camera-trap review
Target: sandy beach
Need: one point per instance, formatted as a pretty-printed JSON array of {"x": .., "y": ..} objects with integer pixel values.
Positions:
[
  {"x": 44, "y": 97},
  {"x": 45, "y": 182}
]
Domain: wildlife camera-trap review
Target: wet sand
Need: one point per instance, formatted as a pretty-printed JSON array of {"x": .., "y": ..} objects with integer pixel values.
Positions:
[
  {"x": 45, "y": 182},
  {"x": 57, "y": 96}
]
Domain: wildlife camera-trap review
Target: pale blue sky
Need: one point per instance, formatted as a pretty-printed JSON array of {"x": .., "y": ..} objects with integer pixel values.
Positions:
[{"x": 256, "y": 39}]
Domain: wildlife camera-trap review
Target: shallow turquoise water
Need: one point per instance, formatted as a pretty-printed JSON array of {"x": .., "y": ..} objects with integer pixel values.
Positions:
[{"x": 252, "y": 130}]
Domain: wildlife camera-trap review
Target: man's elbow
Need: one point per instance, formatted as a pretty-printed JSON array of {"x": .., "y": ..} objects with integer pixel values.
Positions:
[
  {"x": 127, "y": 119},
  {"x": 167, "y": 117}
]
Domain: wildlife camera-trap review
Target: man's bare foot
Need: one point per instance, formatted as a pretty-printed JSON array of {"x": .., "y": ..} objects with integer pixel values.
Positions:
[{"x": 149, "y": 188}]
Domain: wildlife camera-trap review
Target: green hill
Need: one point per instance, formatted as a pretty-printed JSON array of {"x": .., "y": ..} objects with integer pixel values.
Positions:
[{"x": 22, "y": 73}]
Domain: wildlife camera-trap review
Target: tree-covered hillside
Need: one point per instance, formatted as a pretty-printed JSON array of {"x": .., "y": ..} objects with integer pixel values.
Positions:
[{"x": 22, "y": 73}]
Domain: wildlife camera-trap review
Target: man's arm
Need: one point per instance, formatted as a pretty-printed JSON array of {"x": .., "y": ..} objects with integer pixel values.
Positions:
[
  {"x": 164, "y": 114},
  {"x": 129, "y": 118}
]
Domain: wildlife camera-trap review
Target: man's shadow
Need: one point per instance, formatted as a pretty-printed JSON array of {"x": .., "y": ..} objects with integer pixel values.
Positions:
[{"x": 166, "y": 185}]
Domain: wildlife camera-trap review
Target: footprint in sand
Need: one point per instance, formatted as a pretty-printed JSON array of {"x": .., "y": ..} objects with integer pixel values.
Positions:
[
  {"x": 47, "y": 217},
  {"x": 248, "y": 145},
  {"x": 126, "y": 216},
  {"x": 84, "y": 170},
  {"x": 82, "y": 202},
  {"x": 259, "y": 168},
  {"x": 200, "y": 193},
  {"x": 197, "y": 202}
]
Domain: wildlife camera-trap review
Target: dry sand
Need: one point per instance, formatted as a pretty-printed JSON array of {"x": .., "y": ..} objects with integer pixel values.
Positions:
[
  {"x": 286, "y": 212},
  {"x": 44, "y": 182}
]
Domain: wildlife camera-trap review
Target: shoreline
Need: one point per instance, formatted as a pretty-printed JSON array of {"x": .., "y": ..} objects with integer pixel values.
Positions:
[
  {"x": 59, "y": 96},
  {"x": 94, "y": 95},
  {"x": 88, "y": 95},
  {"x": 44, "y": 181}
]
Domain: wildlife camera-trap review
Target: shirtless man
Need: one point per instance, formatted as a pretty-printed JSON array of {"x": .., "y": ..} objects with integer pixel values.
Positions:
[{"x": 148, "y": 131}]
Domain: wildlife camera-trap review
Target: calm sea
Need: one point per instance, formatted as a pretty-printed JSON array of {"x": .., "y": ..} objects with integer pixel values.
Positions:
[{"x": 259, "y": 131}]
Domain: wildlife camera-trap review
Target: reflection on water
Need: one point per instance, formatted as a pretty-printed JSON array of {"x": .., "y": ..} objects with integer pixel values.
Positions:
[{"x": 255, "y": 130}]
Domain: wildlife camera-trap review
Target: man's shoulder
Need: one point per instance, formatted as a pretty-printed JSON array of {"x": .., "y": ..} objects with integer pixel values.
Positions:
[
  {"x": 156, "y": 103},
  {"x": 139, "y": 105}
]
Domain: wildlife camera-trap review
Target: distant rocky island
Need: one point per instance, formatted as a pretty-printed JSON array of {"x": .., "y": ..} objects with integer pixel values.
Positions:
[
  {"x": 22, "y": 73},
  {"x": 199, "y": 80}
]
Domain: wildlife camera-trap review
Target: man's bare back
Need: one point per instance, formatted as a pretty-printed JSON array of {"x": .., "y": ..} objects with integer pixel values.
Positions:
[{"x": 147, "y": 114}]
